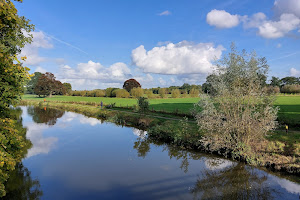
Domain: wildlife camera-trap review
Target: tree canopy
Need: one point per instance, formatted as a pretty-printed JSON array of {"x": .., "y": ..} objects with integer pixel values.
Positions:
[
  {"x": 130, "y": 84},
  {"x": 48, "y": 85}
]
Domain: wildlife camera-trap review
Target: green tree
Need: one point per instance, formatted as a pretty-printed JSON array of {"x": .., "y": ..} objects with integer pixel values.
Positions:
[
  {"x": 143, "y": 104},
  {"x": 122, "y": 93},
  {"x": 68, "y": 87},
  {"x": 241, "y": 112},
  {"x": 109, "y": 92},
  {"x": 275, "y": 81},
  {"x": 162, "y": 92},
  {"x": 32, "y": 83},
  {"x": 290, "y": 80},
  {"x": 194, "y": 93},
  {"x": 137, "y": 92},
  {"x": 175, "y": 93}
]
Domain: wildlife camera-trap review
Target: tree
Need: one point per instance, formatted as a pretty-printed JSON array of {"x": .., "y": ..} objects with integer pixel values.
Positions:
[
  {"x": 109, "y": 92},
  {"x": 162, "y": 92},
  {"x": 175, "y": 93},
  {"x": 32, "y": 83},
  {"x": 137, "y": 92},
  {"x": 68, "y": 87},
  {"x": 275, "y": 81},
  {"x": 122, "y": 93},
  {"x": 241, "y": 112},
  {"x": 143, "y": 104},
  {"x": 130, "y": 84},
  {"x": 207, "y": 87},
  {"x": 290, "y": 80},
  {"x": 47, "y": 85},
  {"x": 194, "y": 92},
  {"x": 12, "y": 39}
]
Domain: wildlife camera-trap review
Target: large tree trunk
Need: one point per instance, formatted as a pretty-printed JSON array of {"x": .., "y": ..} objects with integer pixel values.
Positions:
[{"x": 50, "y": 95}]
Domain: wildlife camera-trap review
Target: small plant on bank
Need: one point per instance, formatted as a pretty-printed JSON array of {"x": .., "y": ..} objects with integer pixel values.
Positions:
[{"x": 143, "y": 104}]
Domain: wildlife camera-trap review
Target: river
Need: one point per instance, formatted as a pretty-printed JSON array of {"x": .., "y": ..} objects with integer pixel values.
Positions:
[{"x": 76, "y": 157}]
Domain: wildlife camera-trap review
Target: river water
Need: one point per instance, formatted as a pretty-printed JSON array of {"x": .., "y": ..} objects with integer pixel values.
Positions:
[{"x": 76, "y": 157}]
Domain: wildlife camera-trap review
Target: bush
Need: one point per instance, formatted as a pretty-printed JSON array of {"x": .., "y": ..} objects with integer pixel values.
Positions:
[
  {"x": 162, "y": 92},
  {"x": 137, "y": 92},
  {"x": 290, "y": 89},
  {"x": 143, "y": 104},
  {"x": 194, "y": 93},
  {"x": 149, "y": 94},
  {"x": 109, "y": 92},
  {"x": 175, "y": 93},
  {"x": 272, "y": 89},
  {"x": 122, "y": 93}
]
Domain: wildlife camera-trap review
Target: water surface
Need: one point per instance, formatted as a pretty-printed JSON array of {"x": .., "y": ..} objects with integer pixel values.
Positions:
[{"x": 76, "y": 157}]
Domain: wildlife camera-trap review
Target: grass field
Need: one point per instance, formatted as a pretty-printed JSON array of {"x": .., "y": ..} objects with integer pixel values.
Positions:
[
  {"x": 289, "y": 105},
  {"x": 169, "y": 104}
]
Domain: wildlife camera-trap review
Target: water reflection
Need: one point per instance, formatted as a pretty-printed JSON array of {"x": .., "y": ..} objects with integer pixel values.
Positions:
[
  {"x": 20, "y": 185},
  {"x": 40, "y": 143},
  {"x": 44, "y": 115}
]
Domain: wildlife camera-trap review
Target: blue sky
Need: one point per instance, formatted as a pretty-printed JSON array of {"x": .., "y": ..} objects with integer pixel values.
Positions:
[{"x": 98, "y": 44}]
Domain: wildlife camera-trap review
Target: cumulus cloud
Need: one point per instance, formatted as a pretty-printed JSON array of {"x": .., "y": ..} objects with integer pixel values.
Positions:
[
  {"x": 222, "y": 19},
  {"x": 31, "y": 51},
  {"x": 287, "y": 19},
  {"x": 40, "y": 69},
  {"x": 181, "y": 58},
  {"x": 295, "y": 72},
  {"x": 94, "y": 75},
  {"x": 287, "y": 6},
  {"x": 165, "y": 13}
]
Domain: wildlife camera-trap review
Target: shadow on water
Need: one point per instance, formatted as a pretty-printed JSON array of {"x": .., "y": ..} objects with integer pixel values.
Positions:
[{"x": 45, "y": 115}]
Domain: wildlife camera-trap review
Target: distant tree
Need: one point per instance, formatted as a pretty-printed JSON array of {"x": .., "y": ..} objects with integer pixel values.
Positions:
[
  {"x": 290, "y": 80},
  {"x": 143, "y": 104},
  {"x": 175, "y": 93},
  {"x": 149, "y": 93},
  {"x": 131, "y": 83},
  {"x": 290, "y": 89},
  {"x": 32, "y": 83},
  {"x": 47, "y": 85},
  {"x": 275, "y": 81},
  {"x": 207, "y": 87},
  {"x": 68, "y": 87},
  {"x": 162, "y": 92},
  {"x": 137, "y": 92},
  {"x": 194, "y": 93},
  {"x": 122, "y": 93},
  {"x": 109, "y": 92}
]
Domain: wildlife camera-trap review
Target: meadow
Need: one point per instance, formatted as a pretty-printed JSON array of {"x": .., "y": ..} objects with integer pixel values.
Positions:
[{"x": 289, "y": 105}]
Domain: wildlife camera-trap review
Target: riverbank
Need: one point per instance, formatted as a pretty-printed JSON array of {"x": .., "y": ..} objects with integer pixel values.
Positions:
[{"x": 271, "y": 153}]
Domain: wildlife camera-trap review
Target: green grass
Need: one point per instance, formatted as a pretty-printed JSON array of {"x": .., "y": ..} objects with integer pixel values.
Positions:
[
  {"x": 169, "y": 104},
  {"x": 289, "y": 105}
]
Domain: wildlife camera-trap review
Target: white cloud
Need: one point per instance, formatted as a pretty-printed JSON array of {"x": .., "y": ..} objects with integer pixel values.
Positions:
[
  {"x": 93, "y": 75},
  {"x": 31, "y": 51},
  {"x": 295, "y": 72},
  {"x": 181, "y": 58},
  {"x": 140, "y": 133},
  {"x": 276, "y": 29},
  {"x": 288, "y": 185},
  {"x": 165, "y": 13},
  {"x": 162, "y": 81},
  {"x": 287, "y": 6},
  {"x": 287, "y": 19},
  {"x": 222, "y": 19}
]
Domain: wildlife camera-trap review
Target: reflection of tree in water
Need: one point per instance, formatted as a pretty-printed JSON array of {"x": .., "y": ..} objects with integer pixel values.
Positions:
[
  {"x": 234, "y": 182},
  {"x": 20, "y": 185},
  {"x": 223, "y": 179},
  {"x": 45, "y": 115}
]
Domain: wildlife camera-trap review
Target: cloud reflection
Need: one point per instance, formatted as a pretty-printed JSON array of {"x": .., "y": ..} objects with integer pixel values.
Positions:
[{"x": 40, "y": 144}]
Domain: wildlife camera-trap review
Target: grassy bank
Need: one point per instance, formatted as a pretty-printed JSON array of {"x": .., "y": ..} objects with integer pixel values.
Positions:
[{"x": 278, "y": 152}]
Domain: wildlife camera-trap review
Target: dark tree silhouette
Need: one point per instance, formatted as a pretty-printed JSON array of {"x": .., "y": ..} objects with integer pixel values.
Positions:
[
  {"x": 131, "y": 83},
  {"x": 45, "y": 115},
  {"x": 47, "y": 85}
]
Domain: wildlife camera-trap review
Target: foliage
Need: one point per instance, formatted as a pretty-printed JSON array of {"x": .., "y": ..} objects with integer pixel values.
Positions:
[
  {"x": 137, "y": 92},
  {"x": 47, "y": 85},
  {"x": 290, "y": 80},
  {"x": 130, "y": 84},
  {"x": 68, "y": 88},
  {"x": 32, "y": 83},
  {"x": 45, "y": 115},
  {"x": 109, "y": 92},
  {"x": 275, "y": 82},
  {"x": 272, "y": 89},
  {"x": 194, "y": 93},
  {"x": 175, "y": 93},
  {"x": 290, "y": 89},
  {"x": 122, "y": 93},
  {"x": 143, "y": 104},
  {"x": 149, "y": 94},
  {"x": 241, "y": 112},
  {"x": 13, "y": 144},
  {"x": 162, "y": 92}
]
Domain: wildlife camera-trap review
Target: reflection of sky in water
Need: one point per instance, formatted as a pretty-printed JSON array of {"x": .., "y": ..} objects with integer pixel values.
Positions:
[{"x": 82, "y": 158}]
